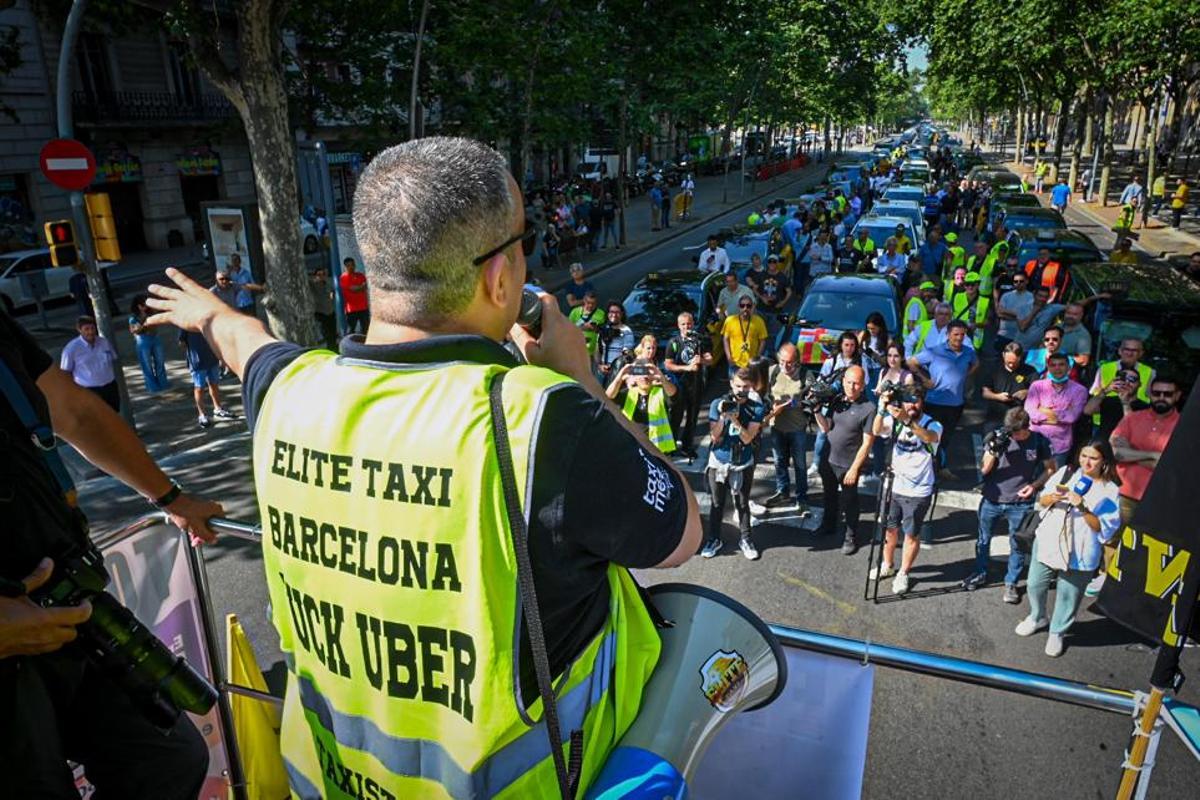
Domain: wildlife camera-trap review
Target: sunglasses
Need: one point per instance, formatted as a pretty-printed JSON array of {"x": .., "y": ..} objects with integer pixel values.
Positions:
[
  {"x": 1051, "y": 339},
  {"x": 745, "y": 305},
  {"x": 525, "y": 237},
  {"x": 1169, "y": 393}
]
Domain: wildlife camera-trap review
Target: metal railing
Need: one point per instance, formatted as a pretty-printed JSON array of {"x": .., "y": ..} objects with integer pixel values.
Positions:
[{"x": 141, "y": 107}]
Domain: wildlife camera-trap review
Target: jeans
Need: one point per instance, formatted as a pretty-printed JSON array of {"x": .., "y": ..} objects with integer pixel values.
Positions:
[
  {"x": 150, "y": 357},
  {"x": 790, "y": 446},
  {"x": 948, "y": 416},
  {"x": 666, "y": 215},
  {"x": 357, "y": 321},
  {"x": 683, "y": 413},
  {"x": 1068, "y": 593},
  {"x": 719, "y": 493},
  {"x": 1012, "y": 514},
  {"x": 610, "y": 230}
]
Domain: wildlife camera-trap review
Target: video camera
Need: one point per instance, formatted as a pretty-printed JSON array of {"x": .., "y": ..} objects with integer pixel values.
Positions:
[
  {"x": 996, "y": 442},
  {"x": 893, "y": 394},
  {"x": 822, "y": 393},
  {"x": 160, "y": 683}
]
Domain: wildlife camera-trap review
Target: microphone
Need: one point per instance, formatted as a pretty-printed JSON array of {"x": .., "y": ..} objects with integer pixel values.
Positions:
[
  {"x": 530, "y": 315},
  {"x": 1082, "y": 485}
]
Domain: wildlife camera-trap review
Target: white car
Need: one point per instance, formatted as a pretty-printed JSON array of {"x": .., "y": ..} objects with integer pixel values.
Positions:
[{"x": 13, "y": 290}]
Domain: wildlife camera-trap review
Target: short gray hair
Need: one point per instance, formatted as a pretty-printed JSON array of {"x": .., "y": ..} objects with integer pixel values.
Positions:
[{"x": 423, "y": 211}]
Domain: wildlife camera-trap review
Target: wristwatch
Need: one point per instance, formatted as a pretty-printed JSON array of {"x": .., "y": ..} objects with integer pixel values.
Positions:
[{"x": 170, "y": 497}]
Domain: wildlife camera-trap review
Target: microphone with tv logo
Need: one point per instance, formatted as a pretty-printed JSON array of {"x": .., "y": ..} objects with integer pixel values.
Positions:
[{"x": 1082, "y": 485}]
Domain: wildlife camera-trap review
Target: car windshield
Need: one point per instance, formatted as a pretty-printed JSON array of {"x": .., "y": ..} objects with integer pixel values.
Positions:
[
  {"x": 880, "y": 233},
  {"x": 843, "y": 311},
  {"x": 1015, "y": 220},
  {"x": 740, "y": 250},
  {"x": 657, "y": 307}
]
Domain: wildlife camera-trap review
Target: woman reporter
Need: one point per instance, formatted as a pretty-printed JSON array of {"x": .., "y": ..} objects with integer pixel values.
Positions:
[{"x": 1081, "y": 511}]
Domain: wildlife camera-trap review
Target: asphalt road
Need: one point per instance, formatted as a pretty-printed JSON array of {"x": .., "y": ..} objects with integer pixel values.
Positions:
[{"x": 929, "y": 738}]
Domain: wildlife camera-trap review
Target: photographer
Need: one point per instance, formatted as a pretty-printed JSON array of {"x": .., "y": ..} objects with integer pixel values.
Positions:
[
  {"x": 734, "y": 422},
  {"x": 588, "y": 318},
  {"x": 788, "y": 383},
  {"x": 915, "y": 440},
  {"x": 57, "y": 704},
  {"x": 688, "y": 354},
  {"x": 616, "y": 342},
  {"x": 1016, "y": 464},
  {"x": 847, "y": 424},
  {"x": 641, "y": 390}
]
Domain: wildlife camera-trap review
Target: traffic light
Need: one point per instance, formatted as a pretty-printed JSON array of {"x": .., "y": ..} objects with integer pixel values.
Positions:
[
  {"x": 104, "y": 229},
  {"x": 60, "y": 235}
]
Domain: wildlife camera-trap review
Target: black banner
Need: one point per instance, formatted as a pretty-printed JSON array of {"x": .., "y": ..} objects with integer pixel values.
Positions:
[{"x": 1154, "y": 579}]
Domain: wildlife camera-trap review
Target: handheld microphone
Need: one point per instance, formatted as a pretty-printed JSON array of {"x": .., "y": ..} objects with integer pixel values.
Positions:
[
  {"x": 530, "y": 315},
  {"x": 1082, "y": 485}
]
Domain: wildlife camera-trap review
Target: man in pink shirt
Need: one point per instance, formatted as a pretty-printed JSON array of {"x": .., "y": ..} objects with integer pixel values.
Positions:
[
  {"x": 1140, "y": 438},
  {"x": 1054, "y": 403}
]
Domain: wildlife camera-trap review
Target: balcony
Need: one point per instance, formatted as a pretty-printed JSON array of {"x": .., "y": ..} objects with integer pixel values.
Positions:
[{"x": 119, "y": 109}]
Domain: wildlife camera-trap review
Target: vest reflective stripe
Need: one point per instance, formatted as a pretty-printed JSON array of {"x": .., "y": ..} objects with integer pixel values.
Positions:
[
  {"x": 860, "y": 246},
  {"x": 909, "y": 324},
  {"x": 1049, "y": 275},
  {"x": 981, "y": 308},
  {"x": 924, "y": 334},
  {"x": 1108, "y": 371},
  {"x": 656, "y": 413},
  {"x": 406, "y": 676}
]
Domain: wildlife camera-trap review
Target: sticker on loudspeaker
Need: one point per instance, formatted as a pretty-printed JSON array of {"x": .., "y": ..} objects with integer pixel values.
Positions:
[{"x": 724, "y": 678}]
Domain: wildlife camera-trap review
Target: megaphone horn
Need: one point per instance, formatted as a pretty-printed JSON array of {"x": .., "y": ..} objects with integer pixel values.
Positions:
[{"x": 717, "y": 660}]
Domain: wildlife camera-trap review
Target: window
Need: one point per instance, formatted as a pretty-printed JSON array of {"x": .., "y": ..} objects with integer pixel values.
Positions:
[
  {"x": 95, "y": 77},
  {"x": 185, "y": 81}
]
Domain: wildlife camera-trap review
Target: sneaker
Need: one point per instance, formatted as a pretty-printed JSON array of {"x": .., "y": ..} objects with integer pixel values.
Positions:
[
  {"x": 974, "y": 581},
  {"x": 778, "y": 499},
  {"x": 224, "y": 413},
  {"x": 748, "y": 549},
  {"x": 926, "y": 545},
  {"x": 205, "y": 422},
  {"x": 802, "y": 510},
  {"x": 1029, "y": 626},
  {"x": 900, "y": 583},
  {"x": 1095, "y": 585},
  {"x": 711, "y": 548},
  {"x": 813, "y": 472},
  {"x": 1011, "y": 595},
  {"x": 849, "y": 547},
  {"x": 1054, "y": 645},
  {"x": 757, "y": 509},
  {"x": 882, "y": 571}
]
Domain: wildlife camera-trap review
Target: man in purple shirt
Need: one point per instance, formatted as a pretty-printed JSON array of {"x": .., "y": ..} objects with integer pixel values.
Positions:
[
  {"x": 89, "y": 360},
  {"x": 1054, "y": 404}
]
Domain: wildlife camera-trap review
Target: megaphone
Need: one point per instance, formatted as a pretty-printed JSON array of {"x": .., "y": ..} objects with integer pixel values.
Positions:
[{"x": 718, "y": 659}]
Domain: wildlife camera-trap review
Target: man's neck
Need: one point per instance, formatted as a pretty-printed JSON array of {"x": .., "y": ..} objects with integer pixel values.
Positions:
[{"x": 383, "y": 332}]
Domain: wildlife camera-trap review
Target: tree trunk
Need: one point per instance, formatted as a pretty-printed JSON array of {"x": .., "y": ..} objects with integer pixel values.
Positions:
[
  {"x": 1019, "y": 156},
  {"x": 1151, "y": 157},
  {"x": 1089, "y": 130},
  {"x": 1106, "y": 145},
  {"x": 1060, "y": 133},
  {"x": 1083, "y": 117},
  {"x": 622, "y": 167},
  {"x": 828, "y": 141}
]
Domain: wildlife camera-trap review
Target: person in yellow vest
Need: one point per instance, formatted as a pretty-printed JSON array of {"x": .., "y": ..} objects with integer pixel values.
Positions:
[
  {"x": 445, "y": 571},
  {"x": 641, "y": 390},
  {"x": 957, "y": 253},
  {"x": 1158, "y": 192},
  {"x": 954, "y": 286},
  {"x": 1106, "y": 383},
  {"x": 930, "y": 333},
  {"x": 974, "y": 309},
  {"x": 863, "y": 245},
  {"x": 916, "y": 310},
  {"x": 1179, "y": 202}
]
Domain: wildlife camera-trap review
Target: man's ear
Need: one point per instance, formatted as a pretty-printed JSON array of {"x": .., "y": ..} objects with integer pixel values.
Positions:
[{"x": 497, "y": 280}]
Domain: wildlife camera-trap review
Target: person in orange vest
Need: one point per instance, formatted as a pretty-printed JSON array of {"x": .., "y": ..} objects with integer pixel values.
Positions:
[{"x": 1042, "y": 271}]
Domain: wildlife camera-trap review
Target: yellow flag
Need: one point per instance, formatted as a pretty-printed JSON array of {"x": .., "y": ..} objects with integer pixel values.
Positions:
[{"x": 255, "y": 722}]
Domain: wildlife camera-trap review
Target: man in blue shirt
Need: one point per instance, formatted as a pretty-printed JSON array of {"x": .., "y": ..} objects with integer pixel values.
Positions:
[
  {"x": 244, "y": 281},
  {"x": 932, "y": 253},
  {"x": 943, "y": 370},
  {"x": 1060, "y": 195},
  {"x": 791, "y": 229}
]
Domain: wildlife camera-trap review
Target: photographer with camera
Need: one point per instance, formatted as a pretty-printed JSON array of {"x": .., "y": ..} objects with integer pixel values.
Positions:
[
  {"x": 588, "y": 318},
  {"x": 788, "y": 385},
  {"x": 734, "y": 422},
  {"x": 641, "y": 390},
  {"x": 915, "y": 438},
  {"x": 57, "y": 701},
  {"x": 688, "y": 354},
  {"x": 1016, "y": 464},
  {"x": 616, "y": 343},
  {"x": 846, "y": 420}
]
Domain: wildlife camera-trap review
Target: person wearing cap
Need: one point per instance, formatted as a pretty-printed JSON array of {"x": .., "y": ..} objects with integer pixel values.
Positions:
[
  {"x": 891, "y": 261},
  {"x": 1123, "y": 254},
  {"x": 916, "y": 312},
  {"x": 974, "y": 309},
  {"x": 957, "y": 253},
  {"x": 773, "y": 295}
]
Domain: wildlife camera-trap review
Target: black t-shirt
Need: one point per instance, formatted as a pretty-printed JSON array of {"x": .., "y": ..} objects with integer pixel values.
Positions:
[
  {"x": 1004, "y": 381},
  {"x": 634, "y": 515},
  {"x": 1111, "y": 413},
  {"x": 1021, "y": 463},
  {"x": 33, "y": 513},
  {"x": 773, "y": 289},
  {"x": 609, "y": 210},
  {"x": 682, "y": 352},
  {"x": 850, "y": 424}
]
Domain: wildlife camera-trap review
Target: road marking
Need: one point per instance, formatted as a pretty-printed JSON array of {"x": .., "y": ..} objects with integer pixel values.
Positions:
[{"x": 849, "y": 609}]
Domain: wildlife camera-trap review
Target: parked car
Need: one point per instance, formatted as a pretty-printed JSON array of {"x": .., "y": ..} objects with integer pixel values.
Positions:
[
  {"x": 910, "y": 209},
  {"x": 1066, "y": 246},
  {"x": 13, "y": 290},
  {"x": 880, "y": 226},
  {"x": 1019, "y": 218},
  {"x": 913, "y": 193},
  {"x": 837, "y": 303},
  {"x": 655, "y": 302},
  {"x": 1001, "y": 180},
  {"x": 1002, "y": 201}
]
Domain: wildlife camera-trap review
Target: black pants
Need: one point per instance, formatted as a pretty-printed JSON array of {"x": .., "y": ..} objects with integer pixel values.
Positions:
[
  {"x": 327, "y": 326},
  {"x": 948, "y": 416},
  {"x": 683, "y": 414},
  {"x": 357, "y": 321},
  {"x": 838, "y": 497},
  {"x": 109, "y": 394},
  {"x": 57, "y": 706},
  {"x": 719, "y": 493}
]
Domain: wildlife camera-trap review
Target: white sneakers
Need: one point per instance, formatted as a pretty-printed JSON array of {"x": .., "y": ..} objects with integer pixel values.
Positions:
[
  {"x": 882, "y": 571},
  {"x": 900, "y": 583},
  {"x": 1029, "y": 626},
  {"x": 1054, "y": 645}
]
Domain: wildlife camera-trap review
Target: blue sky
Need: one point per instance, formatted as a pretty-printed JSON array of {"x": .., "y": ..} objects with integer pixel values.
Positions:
[{"x": 916, "y": 57}]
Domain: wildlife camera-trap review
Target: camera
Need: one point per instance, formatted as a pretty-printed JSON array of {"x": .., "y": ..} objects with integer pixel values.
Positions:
[
  {"x": 727, "y": 404},
  {"x": 689, "y": 348},
  {"x": 640, "y": 367},
  {"x": 893, "y": 394},
  {"x": 997, "y": 441},
  {"x": 160, "y": 683},
  {"x": 822, "y": 392}
]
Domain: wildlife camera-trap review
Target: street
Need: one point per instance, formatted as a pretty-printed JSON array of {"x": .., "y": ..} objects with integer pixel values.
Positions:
[{"x": 929, "y": 737}]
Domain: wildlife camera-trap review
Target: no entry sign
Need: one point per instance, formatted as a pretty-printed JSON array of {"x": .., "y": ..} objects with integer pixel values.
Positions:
[{"x": 68, "y": 164}]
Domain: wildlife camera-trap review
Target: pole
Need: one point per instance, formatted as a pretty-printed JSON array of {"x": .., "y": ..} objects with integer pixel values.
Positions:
[
  {"x": 1141, "y": 740},
  {"x": 412, "y": 97},
  {"x": 101, "y": 302}
]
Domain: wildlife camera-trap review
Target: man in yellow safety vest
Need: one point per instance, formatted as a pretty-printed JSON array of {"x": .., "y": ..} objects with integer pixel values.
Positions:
[{"x": 448, "y": 579}]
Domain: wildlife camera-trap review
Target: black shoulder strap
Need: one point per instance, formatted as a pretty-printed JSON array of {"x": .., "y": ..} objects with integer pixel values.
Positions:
[{"x": 568, "y": 774}]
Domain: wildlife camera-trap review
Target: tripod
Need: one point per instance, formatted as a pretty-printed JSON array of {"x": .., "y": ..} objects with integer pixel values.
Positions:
[{"x": 871, "y": 588}]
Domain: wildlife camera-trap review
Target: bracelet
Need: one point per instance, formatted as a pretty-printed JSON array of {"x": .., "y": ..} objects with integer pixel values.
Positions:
[{"x": 170, "y": 497}]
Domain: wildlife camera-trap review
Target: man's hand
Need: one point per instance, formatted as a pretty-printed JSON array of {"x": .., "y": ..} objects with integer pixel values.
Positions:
[
  {"x": 27, "y": 629},
  {"x": 191, "y": 515},
  {"x": 1051, "y": 415},
  {"x": 190, "y": 307},
  {"x": 1025, "y": 492},
  {"x": 1020, "y": 394},
  {"x": 851, "y": 477},
  {"x": 561, "y": 346}
]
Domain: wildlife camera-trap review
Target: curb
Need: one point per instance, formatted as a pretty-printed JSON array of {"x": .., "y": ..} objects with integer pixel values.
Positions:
[{"x": 599, "y": 268}]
